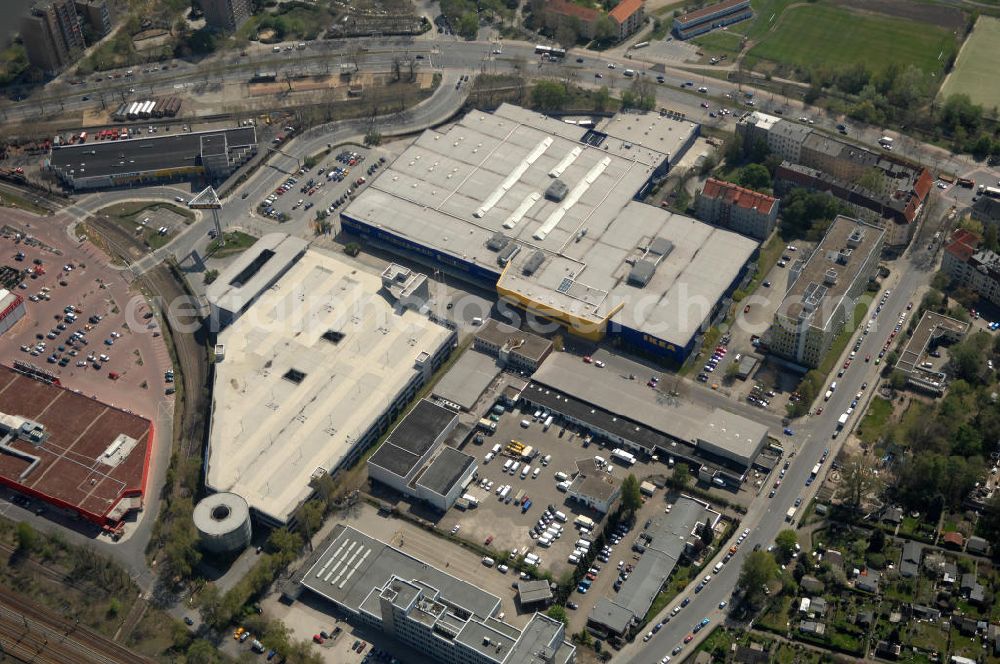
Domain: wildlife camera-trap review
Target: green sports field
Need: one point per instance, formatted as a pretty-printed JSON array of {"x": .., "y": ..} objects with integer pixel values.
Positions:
[
  {"x": 975, "y": 72},
  {"x": 820, "y": 35}
]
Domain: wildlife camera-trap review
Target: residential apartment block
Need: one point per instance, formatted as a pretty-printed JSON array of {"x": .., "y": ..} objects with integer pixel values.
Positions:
[
  {"x": 969, "y": 266},
  {"x": 628, "y": 16},
  {"x": 226, "y": 15},
  {"x": 97, "y": 14},
  {"x": 823, "y": 290},
  {"x": 52, "y": 35},
  {"x": 709, "y": 18},
  {"x": 878, "y": 187},
  {"x": 896, "y": 210},
  {"x": 739, "y": 209},
  {"x": 781, "y": 137},
  {"x": 556, "y": 12}
]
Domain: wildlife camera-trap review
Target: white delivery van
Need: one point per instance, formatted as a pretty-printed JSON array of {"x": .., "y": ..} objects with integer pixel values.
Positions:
[
  {"x": 489, "y": 562},
  {"x": 507, "y": 464},
  {"x": 525, "y": 471},
  {"x": 495, "y": 449},
  {"x": 514, "y": 467},
  {"x": 561, "y": 476},
  {"x": 525, "y": 423},
  {"x": 583, "y": 544},
  {"x": 564, "y": 486},
  {"x": 560, "y": 516},
  {"x": 717, "y": 568},
  {"x": 489, "y": 457},
  {"x": 536, "y": 472}
]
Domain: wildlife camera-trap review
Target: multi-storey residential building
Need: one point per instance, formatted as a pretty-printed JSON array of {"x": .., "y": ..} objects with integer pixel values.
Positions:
[
  {"x": 628, "y": 16},
  {"x": 969, "y": 266},
  {"x": 97, "y": 14},
  {"x": 226, "y": 15},
  {"x": 781, "y": 137},
  {"x": 737, "y": 208},
  {"x": 556, "y": 12},
  {"x": 895, "y": 203},
  {"x": 709, "y": 18},
  {"x": 52, "y": 35},
  {"x": 823, "y": 290}
]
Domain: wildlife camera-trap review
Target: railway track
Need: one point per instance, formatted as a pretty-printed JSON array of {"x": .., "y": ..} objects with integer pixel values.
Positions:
[{"x": 31, "y": 633}]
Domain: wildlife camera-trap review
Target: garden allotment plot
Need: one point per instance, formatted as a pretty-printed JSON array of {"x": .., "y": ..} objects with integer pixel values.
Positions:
[{"x": 976, "y": 69}]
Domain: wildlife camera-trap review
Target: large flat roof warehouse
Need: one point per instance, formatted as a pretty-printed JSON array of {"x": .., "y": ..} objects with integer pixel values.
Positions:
[
  {"x": 313, "y": 370},
  {"x": 631, "y": 410},
  {"x": 371, "y": 580},
  {"x": 92, "y": 458},
  {"x": 146, "y": 153},
  {"x": 413, "y": 437},
  {"x": 546, "y": 212},
  {"x": 253, "y": 272}
]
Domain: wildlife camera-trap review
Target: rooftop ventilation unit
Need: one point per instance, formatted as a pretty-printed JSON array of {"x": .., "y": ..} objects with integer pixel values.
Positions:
[
  {"x": 508, "y": 253},
  {"x": 830, "y": 278},
  {"x": 855, "y": 238},
  {"x": 844, "y": 256},
  {"x": 533, "y": 263},
  {"x": 497, "y": 242},
  {"x": 641, "y": 273},
  {"x": 661, "y": 246},
  {"x": 556, "y": 191}
]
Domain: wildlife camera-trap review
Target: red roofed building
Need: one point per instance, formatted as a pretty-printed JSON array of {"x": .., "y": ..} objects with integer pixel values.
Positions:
[
  {"x": 558, "y": 11},
  {"x": 628, "y": 16},
  {"x": 739, "y": 209},
  {"x": 969, "y": 266}
]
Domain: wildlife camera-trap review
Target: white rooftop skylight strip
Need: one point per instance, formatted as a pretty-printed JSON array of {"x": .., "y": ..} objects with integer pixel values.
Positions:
[
  {"x": 344, "y": 568},
  {"x": 330, "y": 559},
  {"x": 354, "y": 569},
  {"x": 340, "y": 562},
  {"x": 566, "y": 161},
  {"x": 571, "y": 199},
  {"x": 515, "y": 218},
  {"x": 512, "y": 179}
]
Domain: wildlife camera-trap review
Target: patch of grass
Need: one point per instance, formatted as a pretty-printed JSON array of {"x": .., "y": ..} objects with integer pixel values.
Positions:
[
  {"x": 132, "y": 208},
  {"x": 10, "y": 199},
  {"x": 720, "y": 41},
  {"x": 235, "y": 242},
  {"x": 875, "y": 421},
  {"x": 768, "y": 257},
  {"x": 802, "y": 39},
  {"x": 978, "y": 61}
]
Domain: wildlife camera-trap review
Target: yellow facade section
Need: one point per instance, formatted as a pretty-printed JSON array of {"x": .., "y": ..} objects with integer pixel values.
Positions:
[{"x": 586, "y": 328}]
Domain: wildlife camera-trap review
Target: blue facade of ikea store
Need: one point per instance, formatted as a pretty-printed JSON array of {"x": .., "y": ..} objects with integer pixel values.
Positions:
[{"x": 485, "y": 277}]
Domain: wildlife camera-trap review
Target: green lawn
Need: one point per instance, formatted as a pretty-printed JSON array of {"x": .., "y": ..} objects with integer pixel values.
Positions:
[
  {"x": 804, "y": 37},
  {"x": 977, "y": 64},
  {"x": 720, "y": 41},
  {"x": 235, "y": 242},
  {"x": 874, "y": 423}
]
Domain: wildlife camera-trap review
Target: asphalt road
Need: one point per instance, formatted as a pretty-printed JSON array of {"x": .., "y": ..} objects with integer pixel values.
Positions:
[
  {"x": 766, "y": 517},
  {"x": 446, "y": 54}
]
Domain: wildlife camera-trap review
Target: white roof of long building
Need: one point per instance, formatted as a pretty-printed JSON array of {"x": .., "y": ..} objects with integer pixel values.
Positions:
[
  {"x": 489, "y": 173},
  {"x": 270, "y": 433}
]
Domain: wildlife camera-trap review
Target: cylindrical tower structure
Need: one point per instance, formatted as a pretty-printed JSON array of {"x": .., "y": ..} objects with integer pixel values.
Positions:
[{"x": 223, "y": 523}]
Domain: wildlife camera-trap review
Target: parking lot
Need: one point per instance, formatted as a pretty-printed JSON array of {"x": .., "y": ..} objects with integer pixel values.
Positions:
[
  {"x": 83, "y": 323},
  {"x": 328, "y": 186}
]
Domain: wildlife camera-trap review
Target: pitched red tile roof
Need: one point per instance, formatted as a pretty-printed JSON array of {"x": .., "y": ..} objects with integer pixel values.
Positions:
[
  {"x": 566, "y": 8},
  {"x": 625, "y": 9},
  {"x": 953, "y": 537},
  {"x": 739, "y": 196},
  {"x": 963, "y": 244}
]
